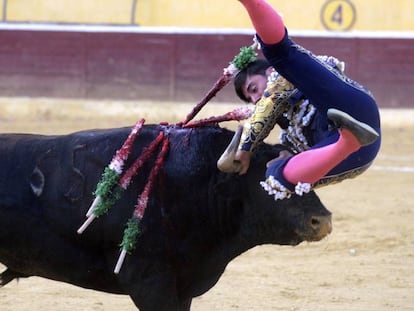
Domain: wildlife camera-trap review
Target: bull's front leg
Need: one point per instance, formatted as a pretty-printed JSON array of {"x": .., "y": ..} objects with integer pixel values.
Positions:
[
  {"x": 156, "y": 291},
  {"x": 160, "y": 297}
]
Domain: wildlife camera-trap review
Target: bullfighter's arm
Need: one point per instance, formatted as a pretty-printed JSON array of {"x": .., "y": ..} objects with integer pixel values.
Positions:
[{"x": 273, "y": 104}]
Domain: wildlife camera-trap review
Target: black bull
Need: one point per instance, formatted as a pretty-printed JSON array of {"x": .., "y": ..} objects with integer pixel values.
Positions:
[{"x": 198, "y": 219}]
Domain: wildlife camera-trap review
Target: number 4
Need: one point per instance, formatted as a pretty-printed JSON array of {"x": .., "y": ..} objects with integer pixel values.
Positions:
[{"x": 337, "y": 16}]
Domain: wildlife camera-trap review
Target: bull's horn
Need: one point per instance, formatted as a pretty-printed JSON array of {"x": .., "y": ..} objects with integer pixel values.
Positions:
[{"x": 227, "y": 162}]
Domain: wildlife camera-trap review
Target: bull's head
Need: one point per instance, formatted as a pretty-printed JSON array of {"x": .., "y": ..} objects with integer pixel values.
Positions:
[
  {"x": 312, "y": 220},
  {"x": 227, "y": 162}
]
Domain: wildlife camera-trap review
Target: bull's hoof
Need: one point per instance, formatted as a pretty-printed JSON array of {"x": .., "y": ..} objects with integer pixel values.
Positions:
[{"x": 9, "y": 275}]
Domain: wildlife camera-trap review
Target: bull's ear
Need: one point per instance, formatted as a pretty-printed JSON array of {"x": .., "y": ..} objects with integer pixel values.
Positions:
[{"x": 267, "y": 152}]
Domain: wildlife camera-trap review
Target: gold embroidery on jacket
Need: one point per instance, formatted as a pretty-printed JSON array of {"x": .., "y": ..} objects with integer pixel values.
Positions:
[{"x": 273, "y": 104}]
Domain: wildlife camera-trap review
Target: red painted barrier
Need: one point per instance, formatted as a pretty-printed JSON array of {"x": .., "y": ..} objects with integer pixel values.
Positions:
[{"x": 176, "y": 66}]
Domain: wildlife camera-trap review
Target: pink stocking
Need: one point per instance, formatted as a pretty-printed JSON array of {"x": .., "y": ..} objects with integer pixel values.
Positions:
[
  {"x": 310, "y": 166},
  {"x": 267, "y": 22}
]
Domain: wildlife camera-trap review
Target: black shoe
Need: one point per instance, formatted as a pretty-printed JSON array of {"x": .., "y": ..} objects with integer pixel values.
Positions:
[{"x": 365, "y": 134}]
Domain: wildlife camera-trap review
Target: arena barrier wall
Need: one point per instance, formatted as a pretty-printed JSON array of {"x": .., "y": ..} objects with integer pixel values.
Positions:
[{"x": 175, "y": 65}]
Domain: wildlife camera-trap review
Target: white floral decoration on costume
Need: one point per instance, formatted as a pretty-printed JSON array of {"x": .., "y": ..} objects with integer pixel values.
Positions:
[{"x": 273, "y": 187}]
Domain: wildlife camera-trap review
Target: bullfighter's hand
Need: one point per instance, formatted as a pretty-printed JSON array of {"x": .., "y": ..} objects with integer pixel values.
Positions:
[{"x": 243, "y": 157}]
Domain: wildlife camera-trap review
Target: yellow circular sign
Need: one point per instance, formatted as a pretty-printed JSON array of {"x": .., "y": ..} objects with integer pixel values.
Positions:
[{"x": 338, "y": 15}]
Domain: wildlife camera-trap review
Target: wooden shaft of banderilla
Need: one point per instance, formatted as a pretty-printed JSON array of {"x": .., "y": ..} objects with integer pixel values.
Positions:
[{"x": 220, "y": 83}]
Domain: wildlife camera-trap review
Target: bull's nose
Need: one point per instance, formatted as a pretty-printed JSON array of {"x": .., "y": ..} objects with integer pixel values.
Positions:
[{"x": 321, "y": 226}]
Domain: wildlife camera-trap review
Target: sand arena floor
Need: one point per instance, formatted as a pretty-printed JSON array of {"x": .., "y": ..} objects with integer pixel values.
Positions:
[{"x": 367, "y": 263}]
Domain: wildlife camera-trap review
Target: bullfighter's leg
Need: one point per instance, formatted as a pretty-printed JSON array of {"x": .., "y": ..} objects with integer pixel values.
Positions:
[
  {"x": 312, "y": 165},
  {"x": 267, "y": 21}
]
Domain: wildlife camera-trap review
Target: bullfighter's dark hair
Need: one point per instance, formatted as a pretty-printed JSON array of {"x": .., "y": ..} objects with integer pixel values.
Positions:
[{"x": 259, "y": 66}]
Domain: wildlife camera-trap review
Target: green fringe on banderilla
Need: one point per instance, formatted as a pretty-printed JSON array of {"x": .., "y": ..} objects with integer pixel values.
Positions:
[
  {"x": 131, "y": 232},
  {"x": 108, "y": 190}
]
